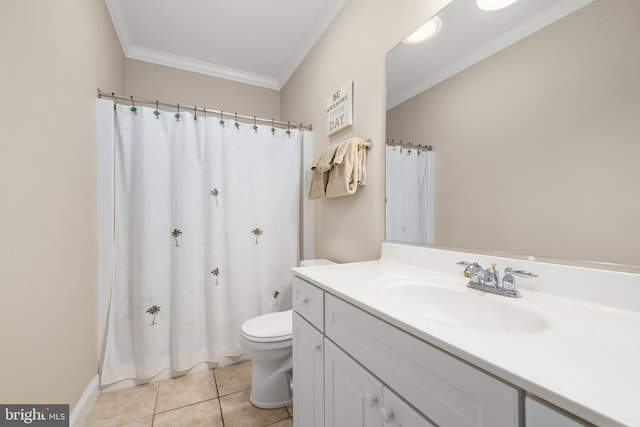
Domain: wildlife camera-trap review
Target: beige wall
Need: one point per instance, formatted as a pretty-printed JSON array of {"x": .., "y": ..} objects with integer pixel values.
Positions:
[
  {"x": 54, "y": 57},
  {"x": 351, "y": 228},
  {"x": 534, "y": 155},
  {"x": 146, "y": 80}
]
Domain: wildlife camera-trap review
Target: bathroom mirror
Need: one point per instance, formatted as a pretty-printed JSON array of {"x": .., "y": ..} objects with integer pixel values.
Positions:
[{"x": 533, "y": 112}]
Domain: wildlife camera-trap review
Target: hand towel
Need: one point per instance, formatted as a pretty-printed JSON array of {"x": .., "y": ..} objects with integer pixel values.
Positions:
[
  {"x": 320, "y": 167},
  {"x": 345, "y": 173}
]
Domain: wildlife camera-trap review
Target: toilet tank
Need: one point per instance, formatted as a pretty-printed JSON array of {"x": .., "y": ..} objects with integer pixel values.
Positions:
[{"x": 315, "y": 262}]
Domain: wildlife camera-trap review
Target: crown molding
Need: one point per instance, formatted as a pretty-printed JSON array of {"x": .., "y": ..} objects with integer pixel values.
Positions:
[
  {"x": 202, "y": 67},
  {"x": 319, "y": 26},
  {"x": 117, "y": 18}
]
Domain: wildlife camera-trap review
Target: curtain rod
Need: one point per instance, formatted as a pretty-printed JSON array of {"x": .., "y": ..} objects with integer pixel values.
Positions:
[
  {"x": 401, "y": 144},
  {"x": 204, "y": 110}
]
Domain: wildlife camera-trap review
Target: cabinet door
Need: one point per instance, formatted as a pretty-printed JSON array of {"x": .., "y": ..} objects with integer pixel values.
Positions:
[
  {"x": 308, "y": 373},
  {"x": 352, "y": 394},
  {"x": 398, "y": 413}
]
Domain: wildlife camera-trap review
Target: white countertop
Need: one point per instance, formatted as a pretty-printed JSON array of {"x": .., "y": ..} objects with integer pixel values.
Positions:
[{"x": 586, "y": 361}]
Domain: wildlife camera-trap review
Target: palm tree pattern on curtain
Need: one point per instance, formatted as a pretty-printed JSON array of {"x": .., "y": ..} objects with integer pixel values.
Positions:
[{"x": 153, "y": 310}]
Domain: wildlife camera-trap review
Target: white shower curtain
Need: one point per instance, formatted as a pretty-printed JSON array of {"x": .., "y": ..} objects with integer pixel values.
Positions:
[
  {"x": 410, "y": 195},
  {"x": 207, "y": 228}
]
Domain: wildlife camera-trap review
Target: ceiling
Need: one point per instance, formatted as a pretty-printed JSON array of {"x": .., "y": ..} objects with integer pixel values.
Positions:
[{"x": 255, "y": 42}]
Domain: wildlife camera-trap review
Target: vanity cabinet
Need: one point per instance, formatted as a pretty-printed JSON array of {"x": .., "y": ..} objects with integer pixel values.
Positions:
[
  {"x": 375, "y": 374},
  {"x": 308, "y": 354},
  {"x": 308, "y": 374},
  {"x": 445, "y": 389}
]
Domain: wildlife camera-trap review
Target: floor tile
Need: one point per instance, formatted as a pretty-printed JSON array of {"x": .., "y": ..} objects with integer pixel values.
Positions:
[
  {"x": 286, "y": 423},
  {"x": 142, "y": 422},
  {"x": 201, "y": 414},
  {"x": 239, "y": 412},
  {"x": 116, "y": 408},
  {"x": 233, "y": 378},
  {"x": 186, "y": 390}
]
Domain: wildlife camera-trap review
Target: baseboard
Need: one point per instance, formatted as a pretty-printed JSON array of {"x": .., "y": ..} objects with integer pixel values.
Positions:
[{"x": 80, "y": 413}]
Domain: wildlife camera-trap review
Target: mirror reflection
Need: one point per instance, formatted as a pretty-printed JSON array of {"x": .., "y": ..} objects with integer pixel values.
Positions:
[{"x": 533, "y": 113}]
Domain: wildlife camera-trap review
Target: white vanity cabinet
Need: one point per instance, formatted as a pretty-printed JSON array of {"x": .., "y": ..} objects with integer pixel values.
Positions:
[
  {"x": 374, "y": 374},
  {"x": 448, "y": 391},
  {"x": 308, "y": 374},
  {"x": 308, "y": 354}
]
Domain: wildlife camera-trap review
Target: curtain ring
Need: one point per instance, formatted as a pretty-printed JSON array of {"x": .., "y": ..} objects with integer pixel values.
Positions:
[
  {"x": 177, "y": 116},
  {"x": 221, "y": 119},
  {"x": 236, "y": 124},
  {"x": 113, "y": 96},
  {"x": 255, "y": 125},
  {"x": 156, "y": 113},
  {"x": 195, "y": 113},
  {"x": 288, "y": 130},
  {"x": 133, "y": 106},
  {"x": 273, "y": 127}
]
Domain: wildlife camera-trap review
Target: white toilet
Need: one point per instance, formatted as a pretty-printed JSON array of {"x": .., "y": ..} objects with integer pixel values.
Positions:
[{"x": 266, "y": 340}]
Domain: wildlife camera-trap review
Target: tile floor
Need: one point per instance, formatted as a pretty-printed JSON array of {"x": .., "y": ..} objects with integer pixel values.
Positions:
[{"x": 214, "y": 398}]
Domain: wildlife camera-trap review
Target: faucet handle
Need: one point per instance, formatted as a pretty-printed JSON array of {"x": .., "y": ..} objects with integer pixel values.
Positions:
[
  {"x": 471, "y": 268},
  {"x": 509, "y": 282},
  {"x": 521, "y": 273}
]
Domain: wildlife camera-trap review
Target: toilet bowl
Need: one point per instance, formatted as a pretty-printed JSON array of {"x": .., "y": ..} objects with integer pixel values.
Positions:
[{"x": 267, "y": 342}]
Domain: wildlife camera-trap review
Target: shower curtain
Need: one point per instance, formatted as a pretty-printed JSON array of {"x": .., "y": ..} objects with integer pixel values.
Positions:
[
  {"x": 206, "y": 230},
  {"x": 410, "y": 195}
]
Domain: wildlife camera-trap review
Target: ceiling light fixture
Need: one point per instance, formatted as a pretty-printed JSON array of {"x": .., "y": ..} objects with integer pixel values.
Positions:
[
  {"x": 494, "y": 4},
  {"x": 425, "y": 32}
]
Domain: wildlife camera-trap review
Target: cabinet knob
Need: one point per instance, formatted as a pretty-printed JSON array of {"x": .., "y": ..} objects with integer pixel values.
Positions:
[
  {"x": 370, "y": 400},
  {"x": 318, "y": 347},
  {"x": 304, "y": 301},
  {"x": 386, "y": 415}
]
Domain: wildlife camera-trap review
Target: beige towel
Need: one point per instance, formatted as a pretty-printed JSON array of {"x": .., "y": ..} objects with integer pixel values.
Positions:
[
  {"x": 347, "y": 171},
  {"x": 320, "y": 173}
]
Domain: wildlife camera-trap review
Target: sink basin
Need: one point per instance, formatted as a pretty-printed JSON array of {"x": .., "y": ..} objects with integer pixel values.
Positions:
[{"x": 431, "y": 298}]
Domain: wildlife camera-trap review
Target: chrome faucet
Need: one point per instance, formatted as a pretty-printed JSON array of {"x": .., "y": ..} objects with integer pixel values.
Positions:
[
  {"x": 480, "y": 276},
  {"x": 488, "y": 280}
]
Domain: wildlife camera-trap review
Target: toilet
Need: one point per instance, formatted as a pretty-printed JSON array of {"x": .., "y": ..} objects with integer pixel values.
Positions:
[{"x": 267, "y": 342}]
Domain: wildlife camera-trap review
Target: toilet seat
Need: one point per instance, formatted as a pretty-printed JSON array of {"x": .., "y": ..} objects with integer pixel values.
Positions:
[{"x": 270, "y": 327}]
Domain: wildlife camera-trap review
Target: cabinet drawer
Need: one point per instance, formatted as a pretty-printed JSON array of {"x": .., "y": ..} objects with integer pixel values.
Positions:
[
  {"x": 308, "y": 301},
  {"x": 450, "y": 392}
]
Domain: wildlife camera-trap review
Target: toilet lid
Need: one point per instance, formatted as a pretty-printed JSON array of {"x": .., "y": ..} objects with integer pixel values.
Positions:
[{"x": 269, "y": 327}]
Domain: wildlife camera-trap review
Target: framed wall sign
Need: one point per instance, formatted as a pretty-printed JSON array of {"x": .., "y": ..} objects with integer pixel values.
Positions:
[{"x": 340, "y": 109}]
